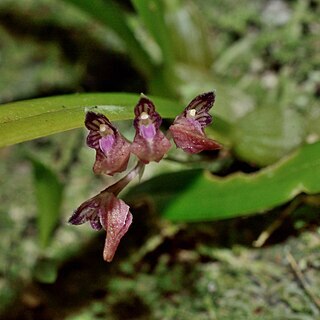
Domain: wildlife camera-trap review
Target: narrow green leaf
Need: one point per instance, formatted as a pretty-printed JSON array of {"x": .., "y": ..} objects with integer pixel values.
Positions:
[
  {"x": 111, "y": 15},
  {"x": 152, "y": 15},
  {"x": 189, "y": 34},
  {"x": 30, "y": 119},
  {"x": 48, "y": 192},
  {"x": 195, "y": 195}
]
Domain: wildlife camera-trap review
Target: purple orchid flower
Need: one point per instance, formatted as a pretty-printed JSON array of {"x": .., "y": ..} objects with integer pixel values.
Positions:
[
  {"x": 187, "y": 129},
  {"x": 106, "y": 211},
  {"x": 112, "y": 149},
  {"x": 149, "y": 143}
]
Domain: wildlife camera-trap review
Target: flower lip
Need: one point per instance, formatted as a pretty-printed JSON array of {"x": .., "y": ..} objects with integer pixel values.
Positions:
[
  {"x": 106, "y": 143},
  {"x": 116, "y": 224}
]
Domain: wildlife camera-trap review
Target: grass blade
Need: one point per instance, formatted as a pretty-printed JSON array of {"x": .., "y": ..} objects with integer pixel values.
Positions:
[
  {"x": 152, "y": 15},
  {"x": 48, "y": 192}
]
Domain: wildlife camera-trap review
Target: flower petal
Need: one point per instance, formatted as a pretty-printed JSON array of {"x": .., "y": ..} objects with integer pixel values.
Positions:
[
  {"x": 115, "y": 161},
  {"x": 95, "y": 122},
  {"x": 150, "y": 150},
  {"x": 187, "y": 136},
  {"x": 88, "y": 211},
  {"x": 198, "y": 108},
  {"x": 116, "y": 220}
]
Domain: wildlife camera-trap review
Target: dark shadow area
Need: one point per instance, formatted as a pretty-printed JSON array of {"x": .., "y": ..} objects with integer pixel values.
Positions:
[
  {"x": 83, "y": 278},
  {"x": 105, "y": 69}
]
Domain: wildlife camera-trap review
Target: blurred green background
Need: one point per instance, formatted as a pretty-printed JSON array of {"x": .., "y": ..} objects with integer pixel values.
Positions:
[{"x": 221, "y": 235}]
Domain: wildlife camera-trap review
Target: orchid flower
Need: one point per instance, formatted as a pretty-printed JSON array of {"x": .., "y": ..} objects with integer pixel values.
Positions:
[
  {"x": 106, "y": 211},
  {"x": 112, "y": 149},
  {"x": 149, "y": 143},
  {"x": 187, "y": 129}
]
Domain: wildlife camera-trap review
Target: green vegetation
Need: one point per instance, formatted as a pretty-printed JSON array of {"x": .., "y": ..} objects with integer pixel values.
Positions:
[{"x": 61, "y": 58}]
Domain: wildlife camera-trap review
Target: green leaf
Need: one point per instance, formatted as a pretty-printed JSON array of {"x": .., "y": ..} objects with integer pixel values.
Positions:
[
  {"x": 46, "y": 270},
  {"x": 266, "y": 134},
  {"x": 30, "y": 119},
  {"x": 195, "y": 195},
  {"x": 48, "y": 192},
  {"x": 152, "y": 15},
  {"x": 111, "y": 15},
  {"x": 189, "y": 34}
]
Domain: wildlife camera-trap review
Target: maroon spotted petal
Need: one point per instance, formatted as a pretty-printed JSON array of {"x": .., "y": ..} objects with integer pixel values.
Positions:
[
  {"x": 116, "y": 220},
  {"x": 112, "y": 149},
  {"x": 88, "y": 211},
  {"x": 187, "y": 129}
]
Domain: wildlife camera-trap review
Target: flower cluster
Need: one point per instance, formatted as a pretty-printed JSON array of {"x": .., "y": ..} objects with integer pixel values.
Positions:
[{"x": 105, "y": 210}]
